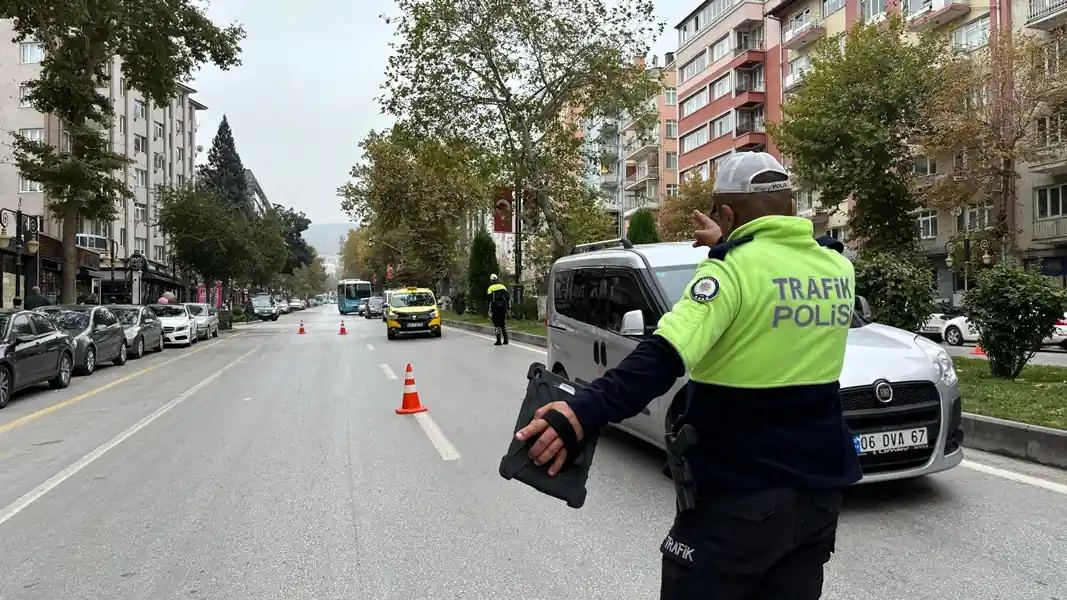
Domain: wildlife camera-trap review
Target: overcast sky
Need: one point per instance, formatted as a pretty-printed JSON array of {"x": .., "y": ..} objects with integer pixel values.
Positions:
[{"x": 304, "y": 97}]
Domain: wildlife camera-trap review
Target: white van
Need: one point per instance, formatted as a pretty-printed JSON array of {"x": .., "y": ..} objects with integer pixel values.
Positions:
[{"x": 604, "y": 298}]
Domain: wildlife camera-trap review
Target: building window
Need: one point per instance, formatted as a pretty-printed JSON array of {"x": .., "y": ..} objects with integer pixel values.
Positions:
[
  {"x": 157, "y": 130},
  {"x": 1050, "y": 130},
  {"x": 922, "y": 166},
  {"x": 831, "y": 6},
  {"x": 838, "y": 233},
  {"x": 695, "y": 102},
  {"x": 670, "y": 96},
  {"x": 141, "y": 177},
  {"x": 24, "y": 102},
  {"x": 672, "y": 189},
  {"x": 140, "y": 143},
  {"x": 1050, "y": 202},
  {"x": 181, "y": 180},
  {"x": 721, "y": 126},
  {"x": 695, "y": 140},
  {"x": 157, "y": 190},
  {"x": 720, "y": 48},
  {"x": 179, "y": 126},
  {"x": 691, "y": 68},
  {"x": 975, "y": 218},
  {"x": 720, "y": 88},
  {"x": 26, "y": 186},
  {"x": 972, "y": 35},
  {"x": 671, "y": 129},
  {"x": 927, "y": 222},
  {"x": 140, "y": 110},
  {"x": 66, "y": 144},
  {"x": 180, "y": 153},
  {"x": 32, "y": 135},
  {"x": 799, "y": 66},
  {"x": 31, "y": 52},
  {"x": 872, "y": 10},
  {"x": 140, "y": 245},
  {"x": 122, "y": 125},
  {"x": 159, "y": 254},
  {"x": 672, "y": 160},
  {"x": 122, "y": 237},
  {"x": 798, "y": 20},
  {"x": 140, "y": 212},
  {"x": 122, "y": 86}
]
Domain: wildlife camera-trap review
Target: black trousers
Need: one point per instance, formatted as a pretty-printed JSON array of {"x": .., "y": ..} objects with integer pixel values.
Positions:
[
  {"x": 498, "y": 323},
  {"x": 769, "y": 545}
]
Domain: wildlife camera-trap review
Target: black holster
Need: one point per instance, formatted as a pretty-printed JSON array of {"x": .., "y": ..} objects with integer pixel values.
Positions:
[{"x": 679, "y": 443}]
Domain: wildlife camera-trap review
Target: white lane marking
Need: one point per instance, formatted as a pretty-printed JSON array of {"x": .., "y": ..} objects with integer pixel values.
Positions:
[
  {"x": 1044, "y": 484},
  {"x": 485, "y": 337},
  {"x": 36, "y": 493},
  {"x": 437, "y": 437},
  {"x": 369, "y": 347},
  {"x": 389, "y": 374}
]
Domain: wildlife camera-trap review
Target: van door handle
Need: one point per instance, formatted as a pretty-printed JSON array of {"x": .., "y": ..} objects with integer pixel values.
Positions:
[
  {"x": 645, "y": 411},
  {"x": 604, "y": 353},
  {"x": 596, "y": 353}
]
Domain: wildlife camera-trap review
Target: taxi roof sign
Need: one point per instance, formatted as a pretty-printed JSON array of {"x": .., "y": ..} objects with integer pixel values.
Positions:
[{"x": 412, "y": 288}]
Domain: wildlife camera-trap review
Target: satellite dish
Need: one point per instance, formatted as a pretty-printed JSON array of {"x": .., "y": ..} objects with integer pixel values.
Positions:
[{"x": 199, "y": 149}]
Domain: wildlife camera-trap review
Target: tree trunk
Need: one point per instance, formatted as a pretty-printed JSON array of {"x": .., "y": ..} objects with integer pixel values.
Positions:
[{"x": 68, "y": 287}]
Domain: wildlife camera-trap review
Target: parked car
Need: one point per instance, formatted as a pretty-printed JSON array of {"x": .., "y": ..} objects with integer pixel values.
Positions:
[
  {"x": 958, "y": 330},
  {"x": 179, "y": 327},
  {"x": 32, "y": 350},
  {"x": 296, "y": 304},
  {"x": 97, "y": 333},
  {"x": 283, "y": 304},
  {"x": 207, "y": 319},
  {"x": 362, "y": 308},
  {"x": 375, "y": 307},
  {"x": 142, "y": 327},
  {"x": 899, "y": 390},
  {"x": 265, "y": 308}
]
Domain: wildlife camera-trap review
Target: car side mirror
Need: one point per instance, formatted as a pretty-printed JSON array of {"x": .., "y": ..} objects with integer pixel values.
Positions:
[
  {"x": 863, "y": 309},
  {"x": 24, "y": 338},
  {"x": 633, "y": 323}
]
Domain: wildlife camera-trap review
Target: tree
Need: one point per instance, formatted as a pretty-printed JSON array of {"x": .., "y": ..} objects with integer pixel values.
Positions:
[
  {"x": 308, "y": 280},
  {"x": 581, "y": 220},
  {"x": 989, "y": 116},
  {"x": 519, "y": 78},
  {"x": 676, "y": 212},
  {"x": 642, "y": 228},
  {"x": 159, "y": 44},
  {"x": 1013, "y": 309},
  {"x": 353, "y": 254},
  {"x": 483, "y": 263},
  {"x": 203, "y": 236},
  {"x": 411, "y": 194},
  {"x": 294, "y": 224},
  {"x": 848, "y": 129},
  {"x": 267, "y": 250},
  {"x": 224, "y": 173}
]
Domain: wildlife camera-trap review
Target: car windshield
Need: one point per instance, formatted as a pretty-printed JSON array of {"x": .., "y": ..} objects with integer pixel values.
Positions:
[
  {"x": 73, "y": 320},
  {"x": 376, "y": 302},
  {"x": 673, "y": 282},
  {"x": 401, "y": 300},
  {"x": 196, "y": 309},
  {"x": 260, "y": 301},
  {"x": 166, "y": 310},
  {"x": 126, "y": 316}
]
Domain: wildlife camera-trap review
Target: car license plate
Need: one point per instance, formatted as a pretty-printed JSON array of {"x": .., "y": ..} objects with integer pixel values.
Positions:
[
  {"x": 890, "y": 441},
  {"x": 412, "y": 325}
]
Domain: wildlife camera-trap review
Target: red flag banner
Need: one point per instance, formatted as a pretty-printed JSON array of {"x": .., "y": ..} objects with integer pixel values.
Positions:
[
  {"x": 389, "y": 271},
  {"x": 502, "y": 213}
]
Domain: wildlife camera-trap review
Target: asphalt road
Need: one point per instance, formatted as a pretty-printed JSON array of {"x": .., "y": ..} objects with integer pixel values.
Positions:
[
  {"x": 1052, "y": 356},
  {"x": 268, "y": 465}
]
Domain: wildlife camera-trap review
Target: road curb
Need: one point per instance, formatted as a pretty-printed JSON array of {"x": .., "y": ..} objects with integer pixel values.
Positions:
[
  {"x": 526, "y": 338},
  {"x": 1032, "y": 443}
]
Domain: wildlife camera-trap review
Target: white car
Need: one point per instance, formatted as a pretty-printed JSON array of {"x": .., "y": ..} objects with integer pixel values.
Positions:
[
  {"x": 207, "y": 319},
  {"x": 958, "y": 330},
  {"x": 179, "y": 327},
  {"x": 934, "y": 324}
]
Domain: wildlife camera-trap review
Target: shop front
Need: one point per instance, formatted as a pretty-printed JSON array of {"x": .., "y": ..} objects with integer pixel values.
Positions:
[{"x": 43, "y": 268}]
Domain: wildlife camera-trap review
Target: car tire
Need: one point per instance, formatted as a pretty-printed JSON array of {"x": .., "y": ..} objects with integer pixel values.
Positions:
[
  {"x": 274, "y": 318},
  {"x": 162, "y": 343},
  {"x": 953, "y": 336},
  {"x": 437, "y": 333},
  {"x": 215, "y": 332},
  {"x": 138, "y": 348},
  {"x": 62, "y": 378},
  {"x": 390, "y": 335},
  {"x": 5, "y": 386},
  {"x": 90, "y": 362},
  {"x": 124, "y": 353}
]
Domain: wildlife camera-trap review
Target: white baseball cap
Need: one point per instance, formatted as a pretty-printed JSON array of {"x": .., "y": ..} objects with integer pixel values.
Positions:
[
  {"x": 735, "y": 174},
  {"x": 493, "y": 277}
]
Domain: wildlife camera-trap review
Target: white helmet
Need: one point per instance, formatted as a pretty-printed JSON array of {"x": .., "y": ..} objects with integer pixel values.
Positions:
[{"x": 493, "y": 277}]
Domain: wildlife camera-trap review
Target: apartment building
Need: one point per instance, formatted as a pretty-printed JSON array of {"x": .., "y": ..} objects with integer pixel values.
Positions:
[
  {"x": 256, "y": 196},
  {"x": 159, "y": 140},
  {"x": 725, "y": 82},
  {"x": 638, "y": 169}
]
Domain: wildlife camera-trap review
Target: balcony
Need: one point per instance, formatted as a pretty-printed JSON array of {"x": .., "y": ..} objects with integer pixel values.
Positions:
[
  {"x": 609, "y": 180},
  {"x": 1053, "y": 162},
  {"x": 1046, "y": 14},
  {"x": 931, "y": 246},
  {"x": 640, "y": 177},
  {"x": 750, "y": 92},
  {"x": 795, "y": 80},
  {"x": 1051, "y": 230},
  {"x": 803, "y": 35},
  {"x": 635, "y": 148},
  {"x": 750, "y": 134},
  {"x": 924, "y": 15},
  {"x": 752, "y": 51}
]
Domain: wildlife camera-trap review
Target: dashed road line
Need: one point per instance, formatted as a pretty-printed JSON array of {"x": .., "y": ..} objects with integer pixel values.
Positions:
[
  {"x": 389, "y": 374},
  {"x": 437, "y": 437}
]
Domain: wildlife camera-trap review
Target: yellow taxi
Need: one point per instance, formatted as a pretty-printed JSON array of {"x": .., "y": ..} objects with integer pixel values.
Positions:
[{"x": 412, "y": 310}]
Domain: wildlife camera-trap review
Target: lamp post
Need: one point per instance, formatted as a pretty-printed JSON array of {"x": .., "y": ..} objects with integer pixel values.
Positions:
[
  {"x": 983, "y": 244},
  {"x": 26, "y": 229}
]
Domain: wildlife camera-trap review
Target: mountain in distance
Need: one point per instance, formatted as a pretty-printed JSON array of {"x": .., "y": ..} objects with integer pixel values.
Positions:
[{"x": 324, "y": 237}]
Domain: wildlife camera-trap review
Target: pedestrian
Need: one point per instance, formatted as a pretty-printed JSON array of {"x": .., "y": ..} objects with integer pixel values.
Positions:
[
  {"x": 761, "y": 330},
  {"x": 163, "y": 300},
  {"x": 499, "y": 301},
  {"x": 35, "y": 299},
  {"x": 94, "y": 299}
]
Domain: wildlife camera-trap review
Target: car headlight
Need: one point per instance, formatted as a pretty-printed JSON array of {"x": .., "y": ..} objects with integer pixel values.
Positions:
[
  {"x": 181, "y": 327},
  {"x": 433, "y": 314},
  {"x": 946, "y": 369}
]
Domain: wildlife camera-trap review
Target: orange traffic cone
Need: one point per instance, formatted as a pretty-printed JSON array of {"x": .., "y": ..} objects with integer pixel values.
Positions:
[
  {"x": 410, "y": 404},
  {"x": 343, "y": 330},
  {"x": 302, "y": 332},
  {"x": 978, "y": 351}
]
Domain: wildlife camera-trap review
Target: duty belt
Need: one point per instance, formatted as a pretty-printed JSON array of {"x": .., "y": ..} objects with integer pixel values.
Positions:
[{"x": 679, "y": 443}]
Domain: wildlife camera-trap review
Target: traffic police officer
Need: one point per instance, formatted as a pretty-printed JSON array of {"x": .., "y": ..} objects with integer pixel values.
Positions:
[
  {"x": 760, "y": 450},
  {"x": 499, "y": 301}
]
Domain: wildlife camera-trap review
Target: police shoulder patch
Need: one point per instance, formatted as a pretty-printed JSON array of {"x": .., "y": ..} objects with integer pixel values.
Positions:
[{"x": 704, "y": 289}]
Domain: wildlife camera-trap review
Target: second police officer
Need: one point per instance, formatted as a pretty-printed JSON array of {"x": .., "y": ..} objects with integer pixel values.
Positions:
[
  {"x": 760, "y": 451},
  {"x": 499, "y": 302}
]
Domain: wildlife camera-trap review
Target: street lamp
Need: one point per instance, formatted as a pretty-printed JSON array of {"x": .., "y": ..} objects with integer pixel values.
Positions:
[
  {"x": 950, "y": 247},
  {"x": 26, "y": 228}
]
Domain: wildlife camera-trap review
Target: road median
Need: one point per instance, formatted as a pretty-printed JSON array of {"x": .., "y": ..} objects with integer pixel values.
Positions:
[{"x": 1022, "y": 418}]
